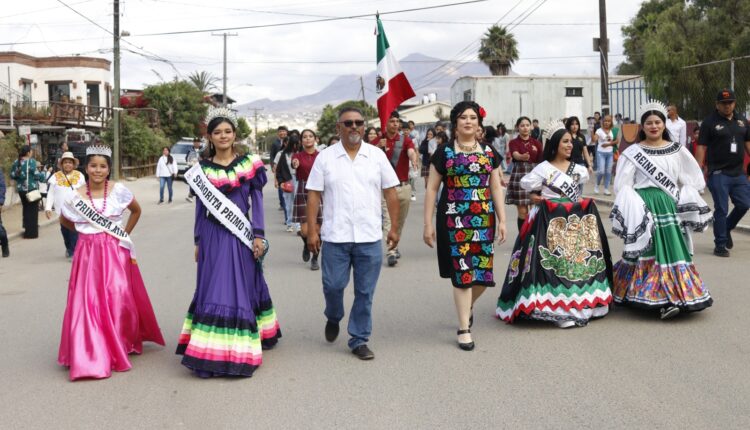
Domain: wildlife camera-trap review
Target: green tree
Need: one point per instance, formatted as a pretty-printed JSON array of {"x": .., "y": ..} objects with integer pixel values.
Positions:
[
  {"x": 328, "y": 118},
  {"x": 203, "y": 80},
  {"x": 498, "y": 50},
  {"x": 138, "y": 140},
  {"x": 243, "y": 128},
  {"x": 667, "y": 36},
  {"x": 180, "y": 105}
]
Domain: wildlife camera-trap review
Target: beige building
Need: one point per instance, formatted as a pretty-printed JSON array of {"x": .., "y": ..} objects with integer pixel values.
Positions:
[{"x": 83, "y": 80}]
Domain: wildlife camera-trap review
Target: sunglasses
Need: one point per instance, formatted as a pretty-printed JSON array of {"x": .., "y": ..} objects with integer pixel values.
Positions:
[{"x": 349, "y": 123}]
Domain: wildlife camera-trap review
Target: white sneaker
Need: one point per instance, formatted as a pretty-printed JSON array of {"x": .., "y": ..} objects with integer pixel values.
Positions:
[
  {"x": 289, "y": 228},
  {"x": 607, "y": 193},
  {"x": 670, "y": 312},
  {"x": 565, "y": 324},
  {"x": 414, "y": 198},
  {"x": 596, "y": 190}
]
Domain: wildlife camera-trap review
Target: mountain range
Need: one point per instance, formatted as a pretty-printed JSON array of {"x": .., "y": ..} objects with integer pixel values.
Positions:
[{"x": 420, "y": 70}]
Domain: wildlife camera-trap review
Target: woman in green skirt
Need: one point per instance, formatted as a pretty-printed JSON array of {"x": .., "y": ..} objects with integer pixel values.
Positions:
[{"x": 657, "y": 206}]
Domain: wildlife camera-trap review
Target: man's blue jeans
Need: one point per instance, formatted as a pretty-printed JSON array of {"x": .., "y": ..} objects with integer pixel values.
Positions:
[
  {"x": 337, "y": 261},
  {"x": 70, "y": 238},
  {"x": 724, "y": 187},
  {"x": 165, "y": 180}
]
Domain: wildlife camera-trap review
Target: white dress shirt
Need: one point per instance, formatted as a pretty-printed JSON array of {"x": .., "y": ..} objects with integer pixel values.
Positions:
[
  {"x": 351, "y": 191},
  {"x": 678, "y": 130}
]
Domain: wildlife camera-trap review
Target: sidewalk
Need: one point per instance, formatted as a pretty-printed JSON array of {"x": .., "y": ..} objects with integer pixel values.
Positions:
[
  {"x": 602, "y": 200},
  {"x": 145, "y": 189}
]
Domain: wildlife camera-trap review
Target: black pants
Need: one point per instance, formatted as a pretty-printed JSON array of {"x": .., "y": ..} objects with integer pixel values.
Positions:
[
  {"x": 70, "y": 238},
  {"x": 30, "y": 217},
  {"x": 3, "y": 233}
]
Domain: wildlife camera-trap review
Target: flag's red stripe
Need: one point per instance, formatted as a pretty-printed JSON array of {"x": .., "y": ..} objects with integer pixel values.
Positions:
[{"x": 399, "y": 90}]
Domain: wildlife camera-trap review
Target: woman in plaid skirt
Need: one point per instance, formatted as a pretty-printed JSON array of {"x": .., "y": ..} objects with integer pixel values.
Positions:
[
  {"x": 303, "y": 161},
  {"x": 526, "y": 152}
]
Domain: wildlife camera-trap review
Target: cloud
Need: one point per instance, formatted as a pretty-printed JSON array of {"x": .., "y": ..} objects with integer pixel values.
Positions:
[{"x": 251, "y": 51}]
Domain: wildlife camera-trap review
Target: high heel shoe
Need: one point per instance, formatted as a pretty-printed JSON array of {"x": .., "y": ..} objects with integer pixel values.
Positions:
[{"x": 468, "y": 346}]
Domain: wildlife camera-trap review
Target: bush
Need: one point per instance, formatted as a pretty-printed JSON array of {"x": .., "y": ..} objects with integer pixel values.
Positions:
[
  {"x": 9, "y": 146},
  {"x": 137, "y": 139}
]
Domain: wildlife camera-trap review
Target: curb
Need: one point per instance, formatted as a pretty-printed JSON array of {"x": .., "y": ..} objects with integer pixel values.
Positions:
[
  {"x": 43, "y": 224},
  {"x": 609, "y": 203}
]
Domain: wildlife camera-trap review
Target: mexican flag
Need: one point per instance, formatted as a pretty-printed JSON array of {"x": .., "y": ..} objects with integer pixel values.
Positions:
[{"x": 391, "y": 85}]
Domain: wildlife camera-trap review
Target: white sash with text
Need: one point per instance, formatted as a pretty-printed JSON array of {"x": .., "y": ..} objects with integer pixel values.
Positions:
[
  {"x": 656, "y": 174},
  {"x": 223, "y": 209},
  {"x": 102, "y": 223}
]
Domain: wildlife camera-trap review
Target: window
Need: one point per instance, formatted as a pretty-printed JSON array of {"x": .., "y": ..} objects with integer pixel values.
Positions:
[
  {"x": 574, "y": 92},
  {"x": 92, "y": 94},
  {"x": 26, "y": 90},
  {"x": 467, "y": 96},
  {"x": 59, "y": 91}
]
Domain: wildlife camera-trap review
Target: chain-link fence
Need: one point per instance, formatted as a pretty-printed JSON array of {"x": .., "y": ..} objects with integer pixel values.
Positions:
[{"x": 695, "y": 88}]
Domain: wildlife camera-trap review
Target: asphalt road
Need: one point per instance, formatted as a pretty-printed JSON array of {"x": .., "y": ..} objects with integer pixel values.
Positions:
[{"x": 627, "y": 370}]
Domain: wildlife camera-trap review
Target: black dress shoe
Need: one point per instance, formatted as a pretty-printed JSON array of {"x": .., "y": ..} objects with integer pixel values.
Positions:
[
  {"x": 468, "y": 346},
  {"x": 332, "y": 331},
  {"x": 721, "y": 251},
  {"x": 363, "y": 352},
  {"x": 305, "y": 253},
  {"x": 730, "y": 242}
]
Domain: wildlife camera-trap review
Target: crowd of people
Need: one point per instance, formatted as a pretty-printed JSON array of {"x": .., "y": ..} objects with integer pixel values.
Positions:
[{"x": 348, "y": 200}]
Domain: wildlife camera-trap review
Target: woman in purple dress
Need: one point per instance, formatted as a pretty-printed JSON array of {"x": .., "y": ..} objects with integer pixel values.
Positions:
[{"x": 231, "y": 318}]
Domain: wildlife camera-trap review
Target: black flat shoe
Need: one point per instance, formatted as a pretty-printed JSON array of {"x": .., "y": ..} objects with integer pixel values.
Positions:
[
  {"x": 468, "y": 346},
  {"x": 332, "y": 331},
  {"x": 730, "y": 242}
]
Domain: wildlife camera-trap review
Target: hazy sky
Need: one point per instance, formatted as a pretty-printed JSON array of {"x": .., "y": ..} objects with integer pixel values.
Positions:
[{"x": 287, "y": 61}]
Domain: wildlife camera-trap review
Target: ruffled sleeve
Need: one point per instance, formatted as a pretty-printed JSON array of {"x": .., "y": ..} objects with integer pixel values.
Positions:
[
  {"x": 632, "y": 221},
  {"x": 692, "y": 211},
  {"x": 583, "y": 173},
  {"x": 534, "y": 180},
  {"x": 122, "y": 196}
]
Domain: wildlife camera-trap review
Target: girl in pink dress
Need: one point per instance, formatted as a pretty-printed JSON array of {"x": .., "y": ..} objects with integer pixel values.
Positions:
[{"x": 108, "y": 314}]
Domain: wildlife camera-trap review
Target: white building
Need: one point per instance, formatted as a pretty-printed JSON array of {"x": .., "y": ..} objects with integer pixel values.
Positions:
[
  {"x": 83, "y": 80},
  {"x": 505, "y": 98}
]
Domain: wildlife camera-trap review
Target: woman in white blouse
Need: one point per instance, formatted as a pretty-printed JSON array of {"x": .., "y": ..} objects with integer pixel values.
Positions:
[
  {"x": 605, "y": 143},
  {"x": 62, "y": 186},
  {"x": 166, "y": 171}
]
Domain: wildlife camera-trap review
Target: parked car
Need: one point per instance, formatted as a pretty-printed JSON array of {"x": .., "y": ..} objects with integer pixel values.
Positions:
[{"x": 179, "y": 151}]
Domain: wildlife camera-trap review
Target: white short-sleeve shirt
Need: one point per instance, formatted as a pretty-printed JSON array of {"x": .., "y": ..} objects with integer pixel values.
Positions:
[{"x": 352, "y": 192}]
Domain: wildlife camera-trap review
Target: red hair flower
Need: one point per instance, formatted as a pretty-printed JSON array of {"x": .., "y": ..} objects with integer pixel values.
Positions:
[{"x": 482, "y": 112}]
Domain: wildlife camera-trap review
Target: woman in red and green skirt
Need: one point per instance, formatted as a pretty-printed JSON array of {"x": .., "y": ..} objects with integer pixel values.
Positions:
[{"x": 657, "y": 206}]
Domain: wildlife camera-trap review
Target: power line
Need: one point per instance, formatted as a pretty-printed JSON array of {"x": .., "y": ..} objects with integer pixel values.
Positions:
[{"x": 282, "y": 24}]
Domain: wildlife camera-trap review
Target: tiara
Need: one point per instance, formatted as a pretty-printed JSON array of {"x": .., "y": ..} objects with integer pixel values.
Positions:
[
  {"x": 221, "y": 112},
  {"x": 99, "y": 150},
  {"x": 552, "y": 128},
  {"x": 653, "y": 105}
]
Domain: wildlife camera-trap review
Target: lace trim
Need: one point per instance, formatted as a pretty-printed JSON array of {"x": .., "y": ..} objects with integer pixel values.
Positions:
[
  {"x": 616, "y": 215},
  {"x": 670, "y": 149}
]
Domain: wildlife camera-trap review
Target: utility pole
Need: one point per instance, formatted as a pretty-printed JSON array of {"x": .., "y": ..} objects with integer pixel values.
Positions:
[
  {"x": 364, "y": 101},
  {"x": 255, "y": 127},
  {"x": 224, "y": 90},
  {"x": 116, "y": 96},
  {"x": 603, "y": 48}
]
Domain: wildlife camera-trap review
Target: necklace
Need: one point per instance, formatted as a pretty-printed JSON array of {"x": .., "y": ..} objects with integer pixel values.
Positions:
[
  {"x": 468, "y": 148},
  {"x": 91, "y": 200}
]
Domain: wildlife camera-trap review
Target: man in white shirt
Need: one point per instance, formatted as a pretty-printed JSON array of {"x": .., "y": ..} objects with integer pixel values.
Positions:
[
  {"x": 676, "y": 126},
  {"x": 351, "y": 177}
]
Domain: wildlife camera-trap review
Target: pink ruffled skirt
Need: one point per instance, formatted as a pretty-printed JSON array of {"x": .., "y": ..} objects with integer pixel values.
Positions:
[{"x": 109, "y": 314}]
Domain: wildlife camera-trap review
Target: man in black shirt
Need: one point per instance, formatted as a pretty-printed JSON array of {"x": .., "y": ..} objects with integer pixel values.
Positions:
[
  {"x": 723, "y": 141},
  {"x": 281, "y": 134}
]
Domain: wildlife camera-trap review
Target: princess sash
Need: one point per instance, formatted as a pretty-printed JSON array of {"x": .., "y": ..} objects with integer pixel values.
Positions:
[
  {"x": 102, "y": 223},
  {"x": 563, "y": 183},
  {"x": 651, "y": 170},
  {"x": 223, "y": 209}
]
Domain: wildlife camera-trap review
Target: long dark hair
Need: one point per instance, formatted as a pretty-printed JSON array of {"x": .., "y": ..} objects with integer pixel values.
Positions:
[
  {"x": 429, "y": 130},
  {"x": 367, "y": 132},
  {"x": 210, "y": 127},
  {"x": 489, "y": 134},
  {"x": 569, "y": 123},
  {"x": 292, "y": 143},
  {"x": 169, "y": 157},
  {"x": 457, "y": 110},
  {"x": 664, "y": 134},
  {"x": 23, "y": 151},
  {"x": 552, "y": 144}
]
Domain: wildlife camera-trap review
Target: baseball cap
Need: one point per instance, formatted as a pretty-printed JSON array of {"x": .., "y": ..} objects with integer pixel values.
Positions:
[{"x": 725, "y": 95}]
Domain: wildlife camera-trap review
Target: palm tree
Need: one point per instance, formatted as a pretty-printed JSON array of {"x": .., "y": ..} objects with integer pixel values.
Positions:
[
  {"x": 203, "y": 80},
  {"x": 498, "y": 50}
]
